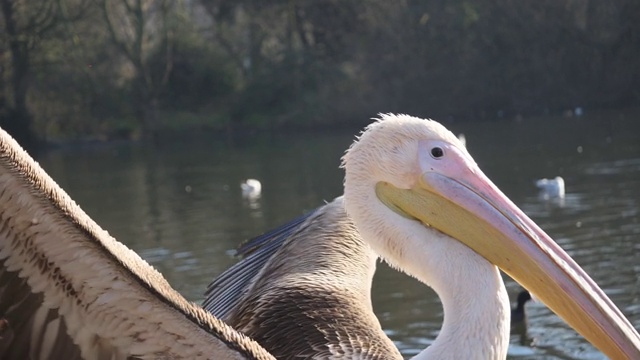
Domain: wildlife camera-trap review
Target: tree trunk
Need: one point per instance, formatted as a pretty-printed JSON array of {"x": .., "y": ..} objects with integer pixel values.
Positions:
[
  {"x": 17, "y": 120},
  {"x": 150, "y": 119}
]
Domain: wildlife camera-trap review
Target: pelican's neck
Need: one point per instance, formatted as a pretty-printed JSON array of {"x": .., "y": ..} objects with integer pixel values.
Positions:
[
  {"x": 475, "y": 302},
  {"x": 477, "y": 311}
]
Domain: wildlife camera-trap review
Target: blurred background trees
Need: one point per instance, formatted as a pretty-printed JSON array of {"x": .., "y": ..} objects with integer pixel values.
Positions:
[{"x": 131, "y": 68}]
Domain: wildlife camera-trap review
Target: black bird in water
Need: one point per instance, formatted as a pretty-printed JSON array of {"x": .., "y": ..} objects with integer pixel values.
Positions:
[{"x": 517, "y": 314}]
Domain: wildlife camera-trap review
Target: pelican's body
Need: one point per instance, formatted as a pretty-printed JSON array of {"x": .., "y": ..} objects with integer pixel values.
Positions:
[
  {"x": 416, "y": 198},
  {"x": 319, "y": 266},
  {"x": 551, "y": 188}
]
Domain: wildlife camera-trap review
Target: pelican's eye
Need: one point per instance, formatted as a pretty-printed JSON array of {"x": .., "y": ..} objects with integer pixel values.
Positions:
[{"x": 437, "y": 152}]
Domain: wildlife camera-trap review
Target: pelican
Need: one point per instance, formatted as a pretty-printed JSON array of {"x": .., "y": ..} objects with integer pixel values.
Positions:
[
  {"x": 551, "y": 188},
  {"x": 413, "y": 196},
  {"x": 68, "y": 290}
]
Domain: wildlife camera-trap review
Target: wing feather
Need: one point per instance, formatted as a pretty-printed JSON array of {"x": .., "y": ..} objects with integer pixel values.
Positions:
[
  {"x": 304, "y": 290},
  {"x": 68, "y": 290},
  {"x": 224, "y": 291}
]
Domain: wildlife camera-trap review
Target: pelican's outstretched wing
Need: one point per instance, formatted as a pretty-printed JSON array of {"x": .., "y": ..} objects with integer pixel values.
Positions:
[{"x": 68, "y": 290}]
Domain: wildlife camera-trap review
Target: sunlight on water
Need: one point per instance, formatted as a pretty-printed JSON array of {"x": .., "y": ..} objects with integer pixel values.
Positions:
[{"x": 180, "y": 207}]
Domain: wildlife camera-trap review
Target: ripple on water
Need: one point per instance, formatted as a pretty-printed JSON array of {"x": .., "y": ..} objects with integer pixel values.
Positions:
[{"x": 614, "y": 167}]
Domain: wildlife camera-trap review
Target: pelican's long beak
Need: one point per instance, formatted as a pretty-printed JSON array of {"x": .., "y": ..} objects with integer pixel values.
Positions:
[{"x": 460, "y": 201}]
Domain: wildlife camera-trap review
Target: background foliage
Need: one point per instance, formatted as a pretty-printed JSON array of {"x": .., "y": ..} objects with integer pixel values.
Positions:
[{"x": 130, "y": 68}]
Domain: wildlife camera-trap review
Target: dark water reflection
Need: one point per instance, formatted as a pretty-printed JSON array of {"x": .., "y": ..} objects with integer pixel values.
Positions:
[{"x": 181, "y": 208}]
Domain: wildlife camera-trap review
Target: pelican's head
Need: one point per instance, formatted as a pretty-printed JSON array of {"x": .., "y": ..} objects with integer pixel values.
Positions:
[
  {"x": 389, "y": 152},
  {"x": 418, "y": 174}
]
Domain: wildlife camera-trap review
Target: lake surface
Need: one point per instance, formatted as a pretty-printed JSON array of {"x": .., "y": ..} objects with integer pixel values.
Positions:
[{"x": 180, "y": 207}]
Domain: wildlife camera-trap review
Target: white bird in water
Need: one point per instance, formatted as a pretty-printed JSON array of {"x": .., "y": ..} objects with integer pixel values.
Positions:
[
  {"x": 251, "y": 188},
  {"x": 413, "y": 195},
  {"x": 551, "y": 188}
]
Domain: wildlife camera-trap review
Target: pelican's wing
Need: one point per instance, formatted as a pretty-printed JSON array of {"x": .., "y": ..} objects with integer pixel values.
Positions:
[
  {"x": 224, "y": 292},
  {"x": 304, "y": 290},
  {"x": 68, "y": 290}
]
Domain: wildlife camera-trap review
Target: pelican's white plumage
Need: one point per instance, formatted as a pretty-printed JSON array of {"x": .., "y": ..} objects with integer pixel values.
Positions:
[
  {"x": 463, "y": 139},
  {"x": 470, "y": 287}
]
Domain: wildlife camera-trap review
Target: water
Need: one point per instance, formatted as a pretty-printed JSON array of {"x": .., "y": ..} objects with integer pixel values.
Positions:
[{"x": 180, "y": 207}]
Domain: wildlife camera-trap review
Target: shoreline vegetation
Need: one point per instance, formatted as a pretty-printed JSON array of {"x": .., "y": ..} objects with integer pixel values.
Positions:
[
  {"x": 612, "y": 122},
  {"x": 105, "y": 70}
]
